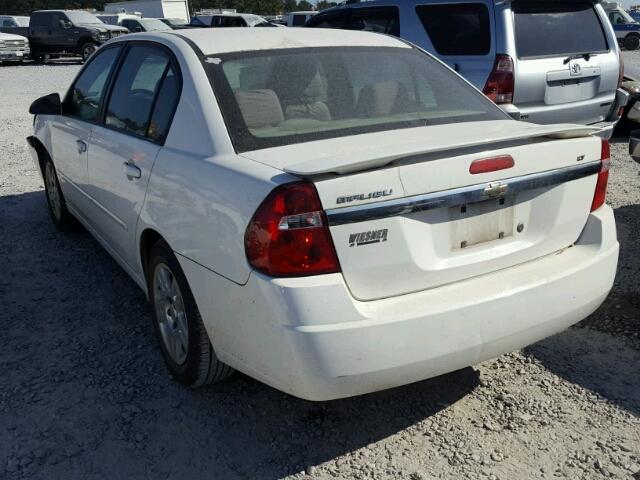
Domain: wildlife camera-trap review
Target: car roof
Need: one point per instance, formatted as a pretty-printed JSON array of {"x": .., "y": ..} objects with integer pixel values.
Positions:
[{"x": 212, "y": 41}]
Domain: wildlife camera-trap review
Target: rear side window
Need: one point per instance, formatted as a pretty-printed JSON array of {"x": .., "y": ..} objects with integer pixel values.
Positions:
[
  {"x": 379, "y": 20},
  {"x": 135, "y": 88},
  {"x": 299, "y": 20},
  {"x": 87, "y": 92},
  {"x": 547, "y": 29},
  {"x": 41, "y": 20},
  {"x": 457, "y": 29},
  {"x": 165, "y": 107},
  {"x": 329, "y": 20}
]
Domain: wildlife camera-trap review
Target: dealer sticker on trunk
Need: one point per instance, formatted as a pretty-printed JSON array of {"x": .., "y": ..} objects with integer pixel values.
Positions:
[{"x": 367, "y": 238}]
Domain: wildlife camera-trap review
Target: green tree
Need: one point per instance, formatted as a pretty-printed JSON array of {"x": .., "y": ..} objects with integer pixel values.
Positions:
[
  {"x": 289, "y": 6},
  {"x": 304, "y": 5},
  {"x": 323, "y": 5}
]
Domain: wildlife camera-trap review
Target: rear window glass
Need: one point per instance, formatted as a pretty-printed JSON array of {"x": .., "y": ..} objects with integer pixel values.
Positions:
[
  {"x": 282, "y": 97},
  {"x": 545, "y": 29},
  {"x": 457, "y": 29}
]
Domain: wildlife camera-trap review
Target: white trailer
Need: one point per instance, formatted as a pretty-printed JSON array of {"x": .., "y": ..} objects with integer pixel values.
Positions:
[{"x": 153, "y": 8}]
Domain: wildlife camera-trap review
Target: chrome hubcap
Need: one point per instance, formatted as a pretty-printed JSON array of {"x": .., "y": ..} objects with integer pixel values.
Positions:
[
  {"x": 171, "y": 314},
  {"x": 53, "y": 193}
]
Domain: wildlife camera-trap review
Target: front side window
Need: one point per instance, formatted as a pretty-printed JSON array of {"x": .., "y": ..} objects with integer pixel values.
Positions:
[
  {"x": 83, "y": 101},
  {"x": 548, "y": 29},
  {"x": 134, "y": 89},
  {"x": 282, "y": 97},
  {"x": 379, "y": 20},
  {"x": 457, "y": 29}
]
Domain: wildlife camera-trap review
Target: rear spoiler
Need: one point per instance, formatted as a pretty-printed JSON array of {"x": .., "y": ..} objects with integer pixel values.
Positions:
[{"x": 367, "y": 159}]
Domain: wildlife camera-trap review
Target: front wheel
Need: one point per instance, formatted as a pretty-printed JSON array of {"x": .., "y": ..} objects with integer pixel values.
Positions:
[
  {"x": 632, "y": 42},
  {"x": 87, "y": 50},
  {"x": 62, "y": 219},
  {"x": 184, "y": 342}
]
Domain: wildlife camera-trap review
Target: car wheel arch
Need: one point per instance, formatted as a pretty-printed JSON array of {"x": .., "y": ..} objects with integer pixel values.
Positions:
[
  {"x": 148, "y": 238},
  {"x": 43, "y": 153}
]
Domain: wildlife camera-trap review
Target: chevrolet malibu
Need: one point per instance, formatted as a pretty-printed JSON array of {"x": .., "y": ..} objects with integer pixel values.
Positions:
[{"x": 330, "y": 212}]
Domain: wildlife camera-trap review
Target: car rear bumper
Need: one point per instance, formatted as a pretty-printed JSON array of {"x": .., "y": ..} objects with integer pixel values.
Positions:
[{"x": 309, "y": 337}]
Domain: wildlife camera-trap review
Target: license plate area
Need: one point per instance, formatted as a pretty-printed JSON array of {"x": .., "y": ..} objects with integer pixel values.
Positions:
[{"x": 481, "y": 222}]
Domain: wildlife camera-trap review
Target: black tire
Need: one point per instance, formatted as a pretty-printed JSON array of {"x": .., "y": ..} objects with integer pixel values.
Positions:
[
  {"x": 631, "y": 42},
  {"x": 200, "y": 365},
  {"x": 87, "y": 49},
  {"x": 37, "y": 57},
  {"x": 56, "y": 203}
]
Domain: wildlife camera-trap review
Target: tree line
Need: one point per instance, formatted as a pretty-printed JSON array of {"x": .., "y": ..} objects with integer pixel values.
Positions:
[{"x": 260, "y": 7}]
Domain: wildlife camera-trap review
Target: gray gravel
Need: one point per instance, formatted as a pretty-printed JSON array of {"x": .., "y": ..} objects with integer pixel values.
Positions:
[{"x": 84, "y": 394}]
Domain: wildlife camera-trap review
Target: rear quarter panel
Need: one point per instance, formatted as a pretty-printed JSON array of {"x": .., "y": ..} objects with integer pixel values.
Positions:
[{"x": 201, "y": 195}]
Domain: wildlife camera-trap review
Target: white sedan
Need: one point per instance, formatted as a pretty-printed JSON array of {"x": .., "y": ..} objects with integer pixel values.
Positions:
[{"x": 330, "y": 212}]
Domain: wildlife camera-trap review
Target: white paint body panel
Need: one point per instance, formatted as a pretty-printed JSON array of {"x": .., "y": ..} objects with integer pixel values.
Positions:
[
  {"x": 314, "y": 337},
  {"x": 309, "y": 337}
]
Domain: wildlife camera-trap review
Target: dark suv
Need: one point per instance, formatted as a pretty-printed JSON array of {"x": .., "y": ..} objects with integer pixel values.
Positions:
[{"x": 68, "y": 32}]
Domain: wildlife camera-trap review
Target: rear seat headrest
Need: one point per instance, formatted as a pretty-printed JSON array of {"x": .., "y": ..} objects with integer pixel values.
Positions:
[{"x": 259, "y": 108}]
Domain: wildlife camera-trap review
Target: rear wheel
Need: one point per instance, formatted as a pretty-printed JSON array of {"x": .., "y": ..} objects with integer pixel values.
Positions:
[
  {"x": 87, "y": 50},
  {"x": 632, "y": 42},
  {"x": 62, "y": 219},
  {"x": 184, "y": 342}
]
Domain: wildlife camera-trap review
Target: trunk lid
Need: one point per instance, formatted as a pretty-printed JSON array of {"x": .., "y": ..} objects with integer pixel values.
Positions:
[{"x": 408, "y": 215}]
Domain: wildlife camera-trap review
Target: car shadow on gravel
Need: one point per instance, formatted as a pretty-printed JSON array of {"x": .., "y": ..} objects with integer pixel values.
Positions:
[
  {"x": 83, "y": 392},
  {"x": 603, "y": 353}
]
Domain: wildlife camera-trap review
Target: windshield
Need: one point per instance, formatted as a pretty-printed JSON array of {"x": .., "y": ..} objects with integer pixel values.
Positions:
[
  {"x": 22, "y": 21},
  {"x": 153, "y": 24},
  {"x": 626, "y": 16},
  {"x": 78, "y": 16},
  {"x": 281, "y": 97}
]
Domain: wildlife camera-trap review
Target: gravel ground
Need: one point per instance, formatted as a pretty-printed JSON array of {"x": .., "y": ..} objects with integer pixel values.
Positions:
[{"x": 84, "y": 394}]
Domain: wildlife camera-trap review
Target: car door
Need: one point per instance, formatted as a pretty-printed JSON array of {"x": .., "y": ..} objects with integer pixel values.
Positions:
[
  {"x": 123, "y": 149},
  {"x": 60, "y": 33},
  {"x": 71, "y": 132}
]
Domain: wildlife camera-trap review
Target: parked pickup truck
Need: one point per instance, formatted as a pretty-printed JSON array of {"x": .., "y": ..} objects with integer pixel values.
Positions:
[
  {"x": 13, "y": 48},
  {"x": 56, "y": 33}
]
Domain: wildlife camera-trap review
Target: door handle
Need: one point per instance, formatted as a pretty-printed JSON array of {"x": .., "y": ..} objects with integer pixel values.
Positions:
[
  {"x": 82, "y": 146},
  {"x": 131, "y": 170}
]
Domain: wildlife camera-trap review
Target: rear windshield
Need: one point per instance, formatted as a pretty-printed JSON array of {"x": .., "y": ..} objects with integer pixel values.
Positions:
[
  {"x": 281, "y": 97},
  {"x": 547, "y": 29},
  {"x": 457, "y": 29}
]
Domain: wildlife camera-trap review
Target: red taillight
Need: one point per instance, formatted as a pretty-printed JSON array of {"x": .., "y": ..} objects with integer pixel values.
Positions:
[
  {"x": 487, "y": 165},
  {"x": 501, "y": 82},
  {"x": 600, "y": 194},
  {"x": 288, "y": 235}
]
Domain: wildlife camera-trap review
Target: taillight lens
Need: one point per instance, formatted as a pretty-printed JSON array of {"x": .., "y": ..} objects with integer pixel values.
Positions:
[
  {"x": 288, "y": 235},
  {"x": 501, "y": 82},
  {"x": 600, "y": 195}
]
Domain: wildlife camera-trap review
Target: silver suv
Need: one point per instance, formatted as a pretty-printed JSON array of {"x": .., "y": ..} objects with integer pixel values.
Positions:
[{"x": 541, "y": 61}]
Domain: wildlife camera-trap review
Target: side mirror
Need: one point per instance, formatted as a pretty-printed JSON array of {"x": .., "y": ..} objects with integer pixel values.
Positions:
[
  {"x": 634, "y": 145},
  {"x": 66, "y": 25},
  {"x": 47, "y": 105}
]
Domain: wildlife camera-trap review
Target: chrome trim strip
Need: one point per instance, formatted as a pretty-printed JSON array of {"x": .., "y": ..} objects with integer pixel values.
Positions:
[{"x": 459, "y": 196}]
